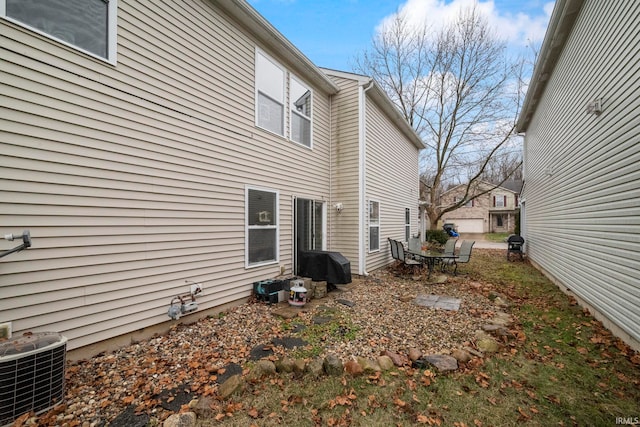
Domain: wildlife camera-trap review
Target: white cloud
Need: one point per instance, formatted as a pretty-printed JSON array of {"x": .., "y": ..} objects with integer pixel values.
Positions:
[{"x": 518, "y": 29}]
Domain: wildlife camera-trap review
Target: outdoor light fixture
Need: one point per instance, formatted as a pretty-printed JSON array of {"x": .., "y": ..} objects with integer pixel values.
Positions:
[{"x": 595, "y": 107}]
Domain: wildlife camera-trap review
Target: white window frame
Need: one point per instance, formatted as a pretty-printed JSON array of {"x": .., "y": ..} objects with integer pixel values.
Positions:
[
  {"x": 374, "y": 225},
  {"x": 112, "y": 31},
  {"x": 248, "y": 227},
  {"x": 303, "y": 117},
  {"x": 287, "y": 114},
  {"x": 260, "y": 53},
  {"x": 407, "y": 224}
]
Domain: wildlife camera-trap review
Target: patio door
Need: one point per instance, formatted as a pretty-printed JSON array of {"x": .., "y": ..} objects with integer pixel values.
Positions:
[{"x": 309, "y": 227}]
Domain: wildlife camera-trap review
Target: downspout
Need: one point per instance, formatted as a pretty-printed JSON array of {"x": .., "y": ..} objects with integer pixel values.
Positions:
[
  {"x": 363, "y": 175},
  {"x": 330, "y": 216}
]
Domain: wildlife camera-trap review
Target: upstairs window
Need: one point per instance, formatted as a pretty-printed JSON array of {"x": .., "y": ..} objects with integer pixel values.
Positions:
[
  {"x": 276, "y": 88},
  {"x": 300, "y": 113},
  {"x": 499, "y": 201},
  {"x": 270, "y": 97},
  {"x": 88, "y": 25}
]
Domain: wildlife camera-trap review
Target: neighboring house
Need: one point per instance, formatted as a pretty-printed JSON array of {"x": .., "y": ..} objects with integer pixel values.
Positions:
[
  {"x": 376, "y": 153},
  {"x": 581, "y": 197},
  {"x": 492, "y": 212},
  {"x": 179, "y": 141}
]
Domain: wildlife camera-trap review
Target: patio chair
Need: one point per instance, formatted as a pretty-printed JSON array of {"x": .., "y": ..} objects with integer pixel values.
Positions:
[
  {"x": 405, "y": 257},
  {"x": 394, "y": 249},
  {"x": 449, "y": 249},
  {"x": 463, "y": 256},
  {"x": 514, "y": 246}
]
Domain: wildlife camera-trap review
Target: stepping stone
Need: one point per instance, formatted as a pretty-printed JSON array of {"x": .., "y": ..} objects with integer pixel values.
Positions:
[
  {"x": 289, "y": 342},
  {"x": 346, "y": 302},
  {"x": 173, "y": 399},
  {"x": 321, "y": 320},
  {"x": 437, "y": 301},
  {"x": 128, "y": 418}
]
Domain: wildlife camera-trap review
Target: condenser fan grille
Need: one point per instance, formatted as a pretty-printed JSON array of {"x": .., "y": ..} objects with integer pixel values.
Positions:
[{"x": 31, "y": 380}]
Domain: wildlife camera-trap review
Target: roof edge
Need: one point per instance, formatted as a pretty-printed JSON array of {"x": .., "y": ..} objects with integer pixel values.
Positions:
[
  {"x": 563, "y": 18},
  {"x": 246, "y": 15}
]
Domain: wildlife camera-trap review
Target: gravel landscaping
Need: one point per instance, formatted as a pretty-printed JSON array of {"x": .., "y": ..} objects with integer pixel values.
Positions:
[{"x": 368, "y": 316}]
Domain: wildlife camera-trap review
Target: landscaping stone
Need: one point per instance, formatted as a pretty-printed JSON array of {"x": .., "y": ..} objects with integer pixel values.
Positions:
[
  {"x": 264, "y": 368},
  {"x": 414, "y": 354},
  {"x": 315, "y": 368},
  {"x": 487, "y": 345},
  {"x": 442, "y": 362},
  {"x": 461, "y": 356},
  {"x": 285, "y": 365},
  {"x": 369, "y": 365},
  {"x": 228, "y": 371},
  {"x": 385, "y": 363},
  {"x": 299, "y": 365},
  {"x": 230, "y": 386},
  {"x": 352, "y": 367},
  {"x": 202, "y": 407},
  {"x": 397, "y": 359},
  {"x": 185, "y": 419},
  {"x": 333, "y": 365}
]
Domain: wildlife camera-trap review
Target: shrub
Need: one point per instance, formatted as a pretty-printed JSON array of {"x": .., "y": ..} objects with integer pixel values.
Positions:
[{"x": 439, "y": 236}]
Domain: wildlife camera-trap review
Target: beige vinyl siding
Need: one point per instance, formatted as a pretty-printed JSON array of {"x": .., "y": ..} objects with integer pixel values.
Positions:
[
  {"x": 582, "y": 182},
  {"x": 346, "y": 171},
  {"x": 131, "y": 179},
  {"x": 392, "y": 179}
]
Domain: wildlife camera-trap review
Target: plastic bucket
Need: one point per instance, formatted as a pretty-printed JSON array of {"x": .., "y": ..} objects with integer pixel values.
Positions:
[{"x": 298, "y": 296}]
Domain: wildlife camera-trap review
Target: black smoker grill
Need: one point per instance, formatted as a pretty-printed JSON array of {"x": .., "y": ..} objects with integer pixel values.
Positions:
[{"x": 331, "y": 267}]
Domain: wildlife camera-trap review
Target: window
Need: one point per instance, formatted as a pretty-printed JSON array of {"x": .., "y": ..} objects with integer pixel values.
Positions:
[
  {"x": 407, "y": 224},
  {"x": 499, "y": 201},
  {"x": 469, "y": 204},
  {"x": 88, "y": 25},
  {"x": 499, "y": 221},
  {"x": 374, "y": 226},
  {"x": 274, "y": 85},
  {"x": 261, "y": 244},
  {"x": 270, "y": 97},
  {"x": 300, "y": 113}
]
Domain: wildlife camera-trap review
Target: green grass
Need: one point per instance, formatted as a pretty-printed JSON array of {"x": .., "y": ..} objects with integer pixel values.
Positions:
[
  {"x": 564, "y": 369},
  {"x": 496, "y": 237}
]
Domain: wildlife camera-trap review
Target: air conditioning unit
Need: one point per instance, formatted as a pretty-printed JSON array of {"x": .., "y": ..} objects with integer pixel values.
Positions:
[{"x": 32, "y": 370}]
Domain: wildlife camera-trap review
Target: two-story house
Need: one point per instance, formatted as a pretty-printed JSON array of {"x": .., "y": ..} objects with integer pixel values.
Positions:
[
  {"x": 493, "y": 211},
  {"x": 146, "y": 145},
  {"x": 581, "y": 199}
]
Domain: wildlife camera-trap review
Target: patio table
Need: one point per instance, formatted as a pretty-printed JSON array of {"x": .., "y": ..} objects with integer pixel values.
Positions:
[{"x": 430, "y": 258}]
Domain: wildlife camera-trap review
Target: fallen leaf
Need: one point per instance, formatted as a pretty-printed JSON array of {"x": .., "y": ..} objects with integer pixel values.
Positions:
[{"x": 253, "y": 413}]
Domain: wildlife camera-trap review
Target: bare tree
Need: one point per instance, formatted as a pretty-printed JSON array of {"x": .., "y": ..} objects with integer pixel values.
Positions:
[{"x": 459, "y": 90}]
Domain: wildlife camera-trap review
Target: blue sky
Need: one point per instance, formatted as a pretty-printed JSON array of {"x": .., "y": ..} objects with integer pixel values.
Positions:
[{"x": 333, "y": 32}]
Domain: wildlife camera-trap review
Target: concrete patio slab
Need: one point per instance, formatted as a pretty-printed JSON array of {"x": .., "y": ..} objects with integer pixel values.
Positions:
[{"x": 438, "y": 301}]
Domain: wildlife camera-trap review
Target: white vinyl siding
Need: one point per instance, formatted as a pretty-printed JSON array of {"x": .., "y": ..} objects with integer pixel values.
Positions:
[
  {"x": 346, "y": 168},
  {"x": 389, "y": 155},
  {"x": 132, "y": 178},
  {"x": 582, "y": 183},
  {"x": 87, "y": 25}
]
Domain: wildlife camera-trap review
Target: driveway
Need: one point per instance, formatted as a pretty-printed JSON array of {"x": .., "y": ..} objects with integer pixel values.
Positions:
[{"x": 481, "y": 243}]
